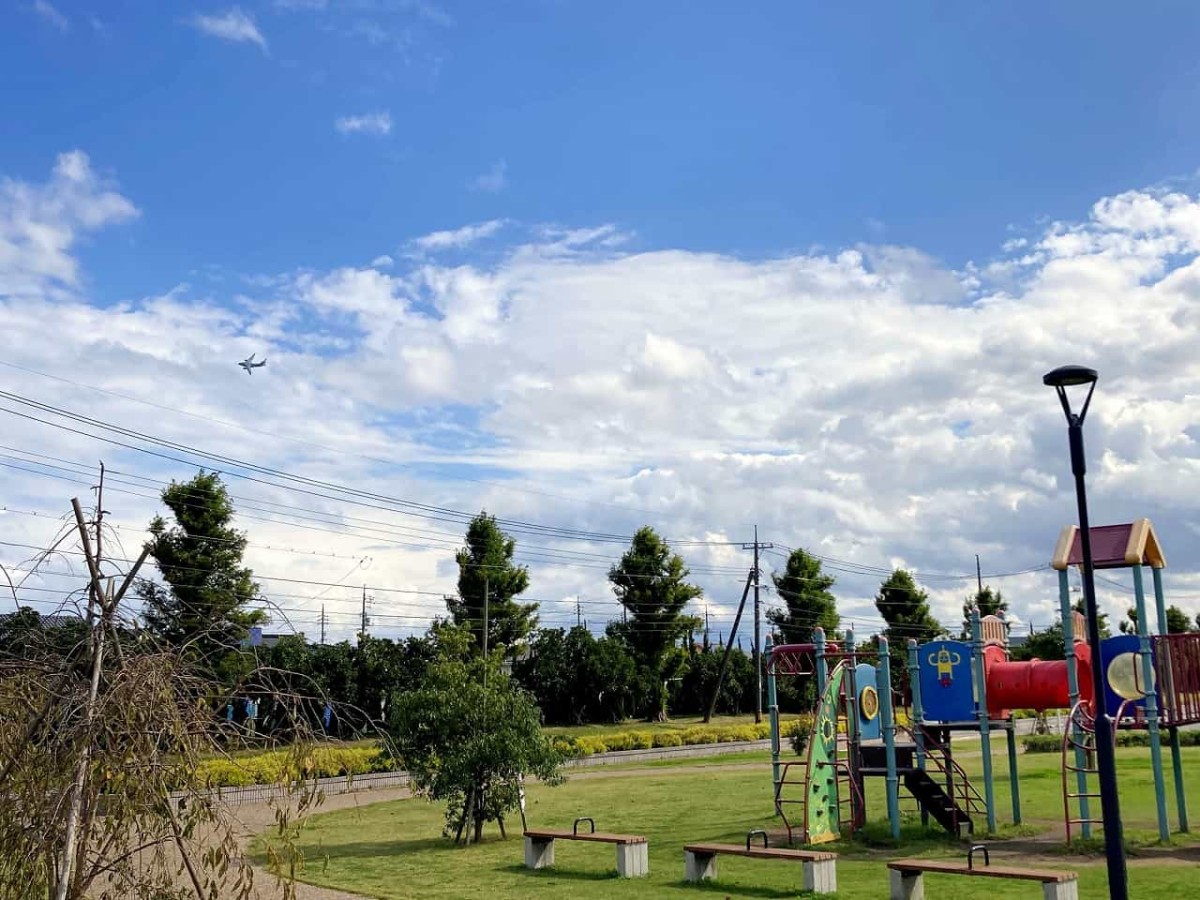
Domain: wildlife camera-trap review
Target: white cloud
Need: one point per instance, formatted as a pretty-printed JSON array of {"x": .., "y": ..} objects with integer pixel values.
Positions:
[
  {"x": 48, "y": 12},
  {"x": 377, "y": 123},
  {"x": 821, "y": 396},
  {"x": 234, "y": 25},
  {"x": 493, "y": 180},
  {"x": 382, "y": 262},
  {"x": 458, "y": 238},
  {"x": 40, "y": 224}
]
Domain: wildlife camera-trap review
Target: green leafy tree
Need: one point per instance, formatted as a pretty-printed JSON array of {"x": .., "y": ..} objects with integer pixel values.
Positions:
[
  {"x": 1177, "y": 621},
  {"x": 988, "y": 602},
  {"x": 485, "y": 566},
  {"x": 577, "y": 678},
  {"x": 804, "y": 589},
  {"x": 203, "y": 604},
  {"x": 905, "y": 609},
  {"x": 651, "y": 583},
  {"x": 470, "y": 744},
  {"x": 1045, "y": 644},
  {"x": 1101, "y": 619}
]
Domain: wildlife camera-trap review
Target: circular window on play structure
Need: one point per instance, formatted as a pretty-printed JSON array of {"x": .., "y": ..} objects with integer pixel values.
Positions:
[
  {"x": 870, "y": 703},
  {"x": 1125, "y": 676}
]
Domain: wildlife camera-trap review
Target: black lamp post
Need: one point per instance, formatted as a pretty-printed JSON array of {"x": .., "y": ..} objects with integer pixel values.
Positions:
[{"x": 1114, "y": 849}]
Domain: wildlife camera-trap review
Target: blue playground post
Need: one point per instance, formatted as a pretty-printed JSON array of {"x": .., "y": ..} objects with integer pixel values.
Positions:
[
  {"x": 1068, "y": 627},
  {"x": 773, "y": 715},
  {"x": 918, "y": 714},
  {"x": 889, "y": 736},
  {"x": 1160, "y": 790},
  {"x": 984, "y": 720},
  {"x": 1176, "y": 761}
]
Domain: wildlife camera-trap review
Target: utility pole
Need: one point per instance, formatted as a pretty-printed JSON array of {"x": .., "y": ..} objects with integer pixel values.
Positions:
[
  {"x": 485, "y": 632},
  {"x": 578, "y": 614},
  {"x": 757, "y": 646},
  {"x": 978, "y": 574},
  {"x": 362, "y": 634},
  {"x": 322, "y": 623}
]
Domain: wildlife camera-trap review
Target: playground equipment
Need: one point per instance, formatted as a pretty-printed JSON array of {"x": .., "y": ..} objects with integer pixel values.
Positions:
[
  {"x": 1152, "y": 680},
  {"x": 957, "y": 685}
]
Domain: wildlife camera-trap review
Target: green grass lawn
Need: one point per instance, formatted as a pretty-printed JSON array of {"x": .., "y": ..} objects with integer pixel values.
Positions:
[{"x": 394, "y": 850}]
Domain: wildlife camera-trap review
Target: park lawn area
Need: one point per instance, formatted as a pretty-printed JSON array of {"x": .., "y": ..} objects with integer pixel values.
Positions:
[{"x": 394, "y": 850}]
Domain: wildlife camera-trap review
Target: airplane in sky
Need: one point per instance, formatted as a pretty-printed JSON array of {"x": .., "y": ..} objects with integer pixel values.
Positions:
[{"x": 249, "y": 364}]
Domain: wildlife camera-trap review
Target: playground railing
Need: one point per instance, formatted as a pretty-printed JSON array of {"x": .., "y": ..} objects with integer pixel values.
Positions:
[{"x": 964, "y": 794}]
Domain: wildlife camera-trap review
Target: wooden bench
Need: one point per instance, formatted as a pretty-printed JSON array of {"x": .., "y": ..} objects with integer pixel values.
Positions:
[
  {"x": 908, "y": 883},
  {"x": 633, "y": 856},
  {"x": 820, "y": 867}
]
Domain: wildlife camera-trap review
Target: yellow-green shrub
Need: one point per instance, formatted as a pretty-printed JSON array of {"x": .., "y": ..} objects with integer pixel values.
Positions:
[{"x": 668, "y": 739}]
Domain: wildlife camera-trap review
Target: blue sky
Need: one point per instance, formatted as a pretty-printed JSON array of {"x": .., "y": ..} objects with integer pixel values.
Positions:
[
  {"x": 593, "y": 265},
  {"x": 749, "y": 128}
]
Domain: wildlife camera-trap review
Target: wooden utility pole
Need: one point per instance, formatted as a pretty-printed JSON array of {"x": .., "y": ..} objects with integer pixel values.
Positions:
[
  {"x": 362, "y": 634},
  {"x": 978, "y": 573},
  {"x": 757, "y": 645},
  {"x": 322, "y": 623}
]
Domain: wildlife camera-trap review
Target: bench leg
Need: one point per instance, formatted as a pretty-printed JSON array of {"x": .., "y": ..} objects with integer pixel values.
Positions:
[
  {"x": 820, "y": 876},
  {"x": 699, "y": 866},
  {"x": 633, "y": 860},
  {"x": 907, "y": 885},
  {"x": 539, "y": 854},
  {"x": 1061, "y": 890}
]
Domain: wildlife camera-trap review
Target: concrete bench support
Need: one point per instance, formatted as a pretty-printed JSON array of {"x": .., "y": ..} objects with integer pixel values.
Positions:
[
  {"x": 539, "y": 853},
  {"x": 1063, "y": 890},
  {"x": 699, "y": 866},
  {"x": 633, "y": 860},
  {"x": 819, "y": 873},
  {"x": 820, "y": 876},
  {"x": 907, "y": 885}
]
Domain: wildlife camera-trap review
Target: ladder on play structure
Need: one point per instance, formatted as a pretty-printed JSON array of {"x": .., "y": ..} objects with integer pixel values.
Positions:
[
  {"x": 1079, "y": 765},
  {"x": 942, "y": 788}
]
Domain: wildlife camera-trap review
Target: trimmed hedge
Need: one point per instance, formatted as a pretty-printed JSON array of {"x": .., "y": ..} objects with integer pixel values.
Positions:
[
  {"x": 280, "y": 765},
  {"x": 1052, "y": 743},
  {"x": 589, "y": 744}
]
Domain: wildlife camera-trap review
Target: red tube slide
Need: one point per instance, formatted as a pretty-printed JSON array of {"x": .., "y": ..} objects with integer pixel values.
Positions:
[{"x": 1036, "y": 684}]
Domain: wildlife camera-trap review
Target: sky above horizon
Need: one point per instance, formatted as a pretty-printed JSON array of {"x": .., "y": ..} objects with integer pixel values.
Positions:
[{"x": 593, "y": 266}]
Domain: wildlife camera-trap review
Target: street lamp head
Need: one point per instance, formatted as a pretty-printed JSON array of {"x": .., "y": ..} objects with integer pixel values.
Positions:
[{"x": 1070, "y": 376}]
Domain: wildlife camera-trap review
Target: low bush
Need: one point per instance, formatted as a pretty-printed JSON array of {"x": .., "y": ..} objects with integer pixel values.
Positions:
[{"x": 280, "y": 765}]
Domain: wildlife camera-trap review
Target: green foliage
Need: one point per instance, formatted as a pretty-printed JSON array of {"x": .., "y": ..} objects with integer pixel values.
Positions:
[
  {"x": 798, "y": 735},
  {"x": 577, "y": 678},
  {"x": 905, "y": 608},
  {"x": 613, "y": 742},
  {"x": 691, "y": 694},
  {"x": 988, "y": 602},
  {"x": 202, "y": 606},
  {"x": 1177, "y": 621},
  {"x": 485, "y": 565},
  {"x": 804, "y": 589},
  {"x": 470, "y": 744},
  {"x": 278, "y": 766},
  {"x": 650, "y": 582},
  {"x": 1046, "y": 644}
]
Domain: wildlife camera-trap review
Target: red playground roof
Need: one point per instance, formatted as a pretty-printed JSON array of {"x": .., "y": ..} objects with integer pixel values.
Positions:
[{"x": 1113, "y": 547}]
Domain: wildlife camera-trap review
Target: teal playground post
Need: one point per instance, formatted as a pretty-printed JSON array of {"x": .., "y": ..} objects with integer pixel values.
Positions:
[
  {"x": 1160, "y": 605},
  {"x": 1143, "y": 628},
  {"x": 984, "y": 720},
  {"x": 1068, "y": 627},
  {"x": 889, "y": 737},
  {"x": 773, "y": 716}
]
